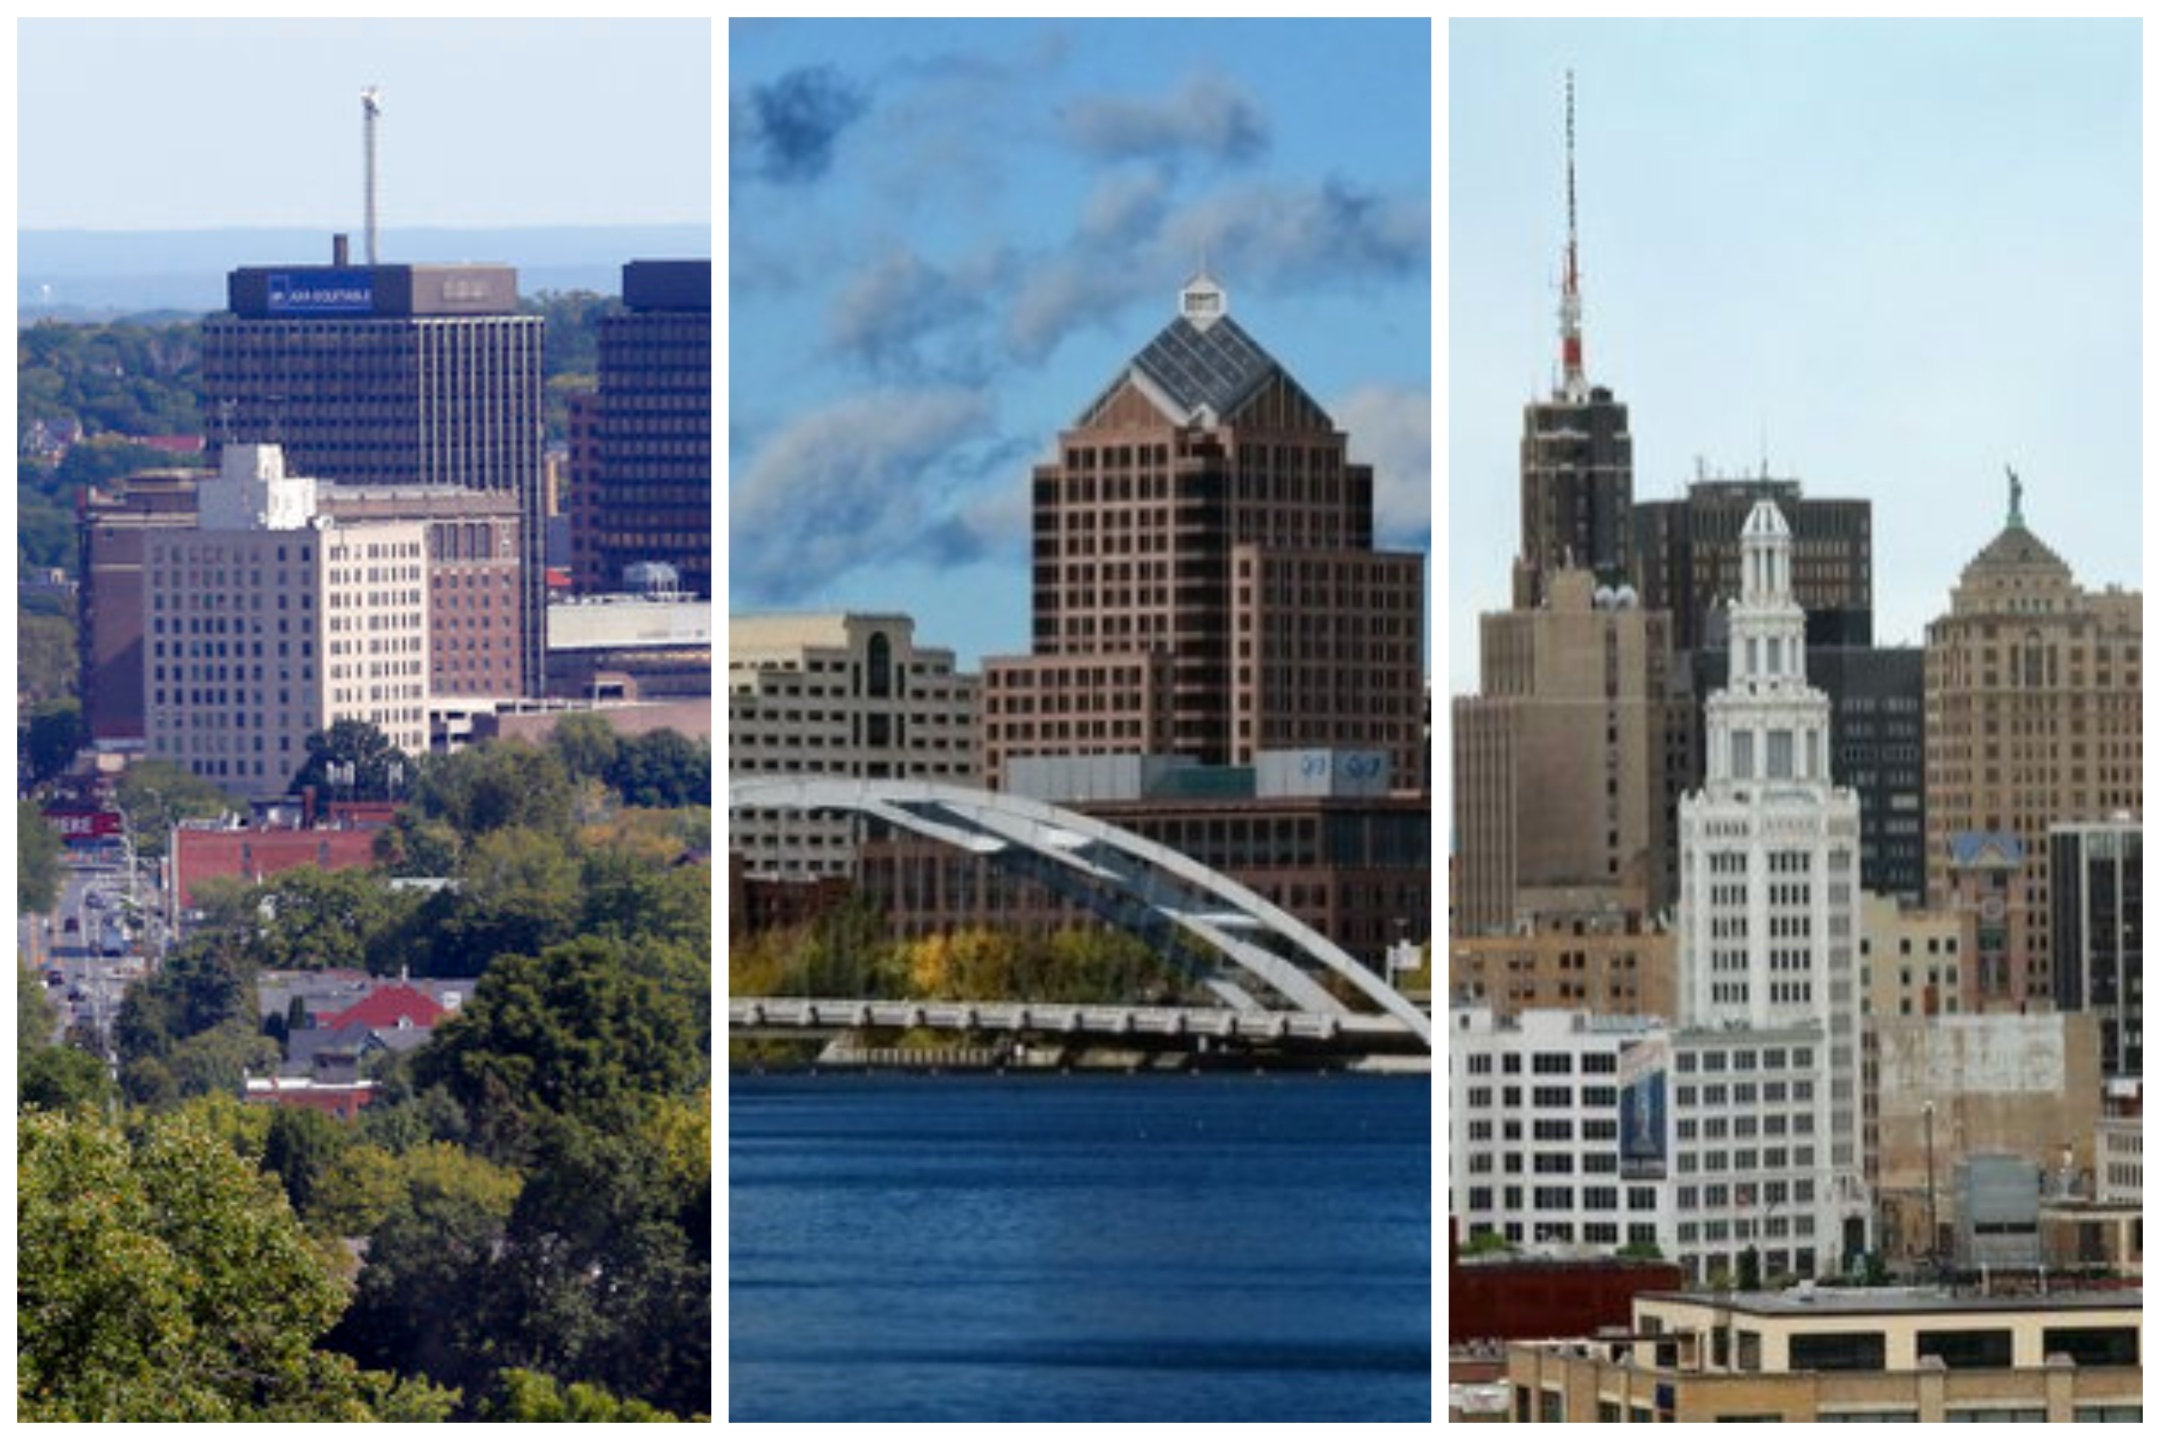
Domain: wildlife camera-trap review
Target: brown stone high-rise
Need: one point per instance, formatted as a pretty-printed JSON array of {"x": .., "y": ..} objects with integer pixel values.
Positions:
[
  {"x": 1205, "y": 578},
  {"x": 2035, "y": 717}
]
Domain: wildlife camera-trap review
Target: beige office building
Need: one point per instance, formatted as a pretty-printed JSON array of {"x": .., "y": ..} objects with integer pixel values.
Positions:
[
  {"x": 1852, "y": 1356},
  {"x": 846, "y": 695},
  {"x": 1612, "y": 963},
  {"x": 1914, "y": 961},
  {"x": 270, "y": 621},
  {"x": 1566, "y": 773},
  {"x": 2035, "y": 716}
]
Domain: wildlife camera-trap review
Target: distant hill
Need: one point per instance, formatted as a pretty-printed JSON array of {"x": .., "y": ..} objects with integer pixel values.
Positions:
[{"x": 102, "y": 274}]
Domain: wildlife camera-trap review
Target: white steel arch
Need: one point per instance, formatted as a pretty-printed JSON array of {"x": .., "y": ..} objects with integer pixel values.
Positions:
[{"x": 987, "y": 822}]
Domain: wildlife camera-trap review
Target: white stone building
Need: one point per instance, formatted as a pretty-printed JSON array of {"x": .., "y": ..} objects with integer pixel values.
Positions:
[
  {"x": 1534, "y": 1144},
  {"x": 270, "y": 621},
  {"x": 1770, "y": 882}
]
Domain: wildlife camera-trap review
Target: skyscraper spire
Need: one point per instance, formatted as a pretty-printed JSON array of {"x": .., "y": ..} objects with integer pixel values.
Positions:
[{"x": 1573, "y": 386}]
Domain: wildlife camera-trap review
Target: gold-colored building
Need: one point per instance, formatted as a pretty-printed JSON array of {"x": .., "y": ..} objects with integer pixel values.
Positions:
[
  {"x": 1857, "y": 1356},
  {"x": 2034, "y": 717}
]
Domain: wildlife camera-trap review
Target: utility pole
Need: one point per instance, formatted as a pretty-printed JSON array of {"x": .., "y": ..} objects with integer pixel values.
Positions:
[{"x": 1927, "y": 1112}]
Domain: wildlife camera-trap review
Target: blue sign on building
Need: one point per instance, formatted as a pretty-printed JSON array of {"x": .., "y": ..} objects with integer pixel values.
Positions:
[{"x": 322, "y": 292}]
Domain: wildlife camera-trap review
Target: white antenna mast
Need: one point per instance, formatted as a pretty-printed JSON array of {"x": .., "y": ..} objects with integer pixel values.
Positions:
[{"x": 370, "y": 110}]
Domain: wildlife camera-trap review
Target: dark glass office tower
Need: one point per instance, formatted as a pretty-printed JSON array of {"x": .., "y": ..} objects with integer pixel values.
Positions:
[
  {"x": 652, "y": 476},
  {"x": 391, "y": 374}
]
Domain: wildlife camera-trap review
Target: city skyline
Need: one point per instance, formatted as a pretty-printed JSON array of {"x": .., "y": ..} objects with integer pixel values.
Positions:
[
  {"x": 1891, "y": 299},
  {"x": 946, "y": 238},
  {"x": 485, "y": 123}
]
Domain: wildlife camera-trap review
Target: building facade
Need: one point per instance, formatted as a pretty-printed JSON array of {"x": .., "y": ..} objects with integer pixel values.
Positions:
[
  {"x": 113, "y": 523},
  {"x": 1205, "y": 582},
  {"x": 846, "y": 695},
  {"x": 2035, "y": 707},
  {"x": 1565, "y": 761},
  {"x": 270, "y": 621},
  {"x": 1770, "y": 863},
  {"x": 475, "y": 566},
  {"x": 1914, "y": 961},
  {"x": 1608, "y": 962},
  {"x": 2096, "y": 918},
  {"x": 391, "y": 375},
  {"x": 1856, "y": 1357},
  {"x": 650, "y": 476},
  {"x": 1878, "y": 749},
  {"x": 1688, "y": 560}
]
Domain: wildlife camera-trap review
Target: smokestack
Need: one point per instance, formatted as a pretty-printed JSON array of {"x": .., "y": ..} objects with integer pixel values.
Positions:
[{"x": 340, "y": 250}]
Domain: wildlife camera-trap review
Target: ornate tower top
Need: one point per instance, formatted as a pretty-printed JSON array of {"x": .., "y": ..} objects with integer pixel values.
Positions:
[{"x": 1202, "y": 301}]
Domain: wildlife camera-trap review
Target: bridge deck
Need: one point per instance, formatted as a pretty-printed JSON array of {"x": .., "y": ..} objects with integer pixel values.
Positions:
[{"x": 793, "y": 1013}]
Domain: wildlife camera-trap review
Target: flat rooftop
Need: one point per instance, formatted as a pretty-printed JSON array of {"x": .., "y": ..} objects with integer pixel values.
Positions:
[{"x": 1896, "y": 1301}]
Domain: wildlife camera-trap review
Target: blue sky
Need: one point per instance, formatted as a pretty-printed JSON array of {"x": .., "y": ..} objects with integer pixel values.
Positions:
[
  {"x": 200, "y": 124},
  {"x": 1892, "y": 257},
  {"x": 946, "y": 238}
]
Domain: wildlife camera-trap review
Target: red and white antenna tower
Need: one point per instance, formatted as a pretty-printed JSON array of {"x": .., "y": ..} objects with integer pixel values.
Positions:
[{"x": 1574, "y": 386}]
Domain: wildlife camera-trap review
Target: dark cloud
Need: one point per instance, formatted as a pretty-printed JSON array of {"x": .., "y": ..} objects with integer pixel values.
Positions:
[
  {"x": 904, "y": 318},
  {"x": 784, "y": 132},
  {"x": 1261, "y": 236},
  {"x": 866, "y": 480},
  {"x": 1205, "y": 116}
]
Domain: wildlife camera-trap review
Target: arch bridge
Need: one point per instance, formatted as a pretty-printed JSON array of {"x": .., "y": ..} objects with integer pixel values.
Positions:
[{"x": 1269, "y": 969}]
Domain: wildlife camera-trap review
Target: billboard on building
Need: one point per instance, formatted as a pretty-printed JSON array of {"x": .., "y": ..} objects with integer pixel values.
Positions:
[
  {"x": 321, "y": 292},
  {"x": 1644, "y": 1101}
]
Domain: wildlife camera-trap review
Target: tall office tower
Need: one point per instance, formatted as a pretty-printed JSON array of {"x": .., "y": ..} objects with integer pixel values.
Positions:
[
  {"x": 1878, "y": 740},
  {"x": 1770, "y": 862},
  {"x": 651, "y": 498},
  {"x": 391, "y": 374},
  {"x": 1687, "y": 559},
  {"x": 2035, "y": 716},
  {"x": 581, "y": 421},
  {"x": 1205, "y": 582},
  {"x": 1578, "y": 459},
  {"x": 2097, "y": 915},
  {"x": 1562, "y": 762},
  {"x": 845, "y": 695},
  {"x": 270, "y": 620}
]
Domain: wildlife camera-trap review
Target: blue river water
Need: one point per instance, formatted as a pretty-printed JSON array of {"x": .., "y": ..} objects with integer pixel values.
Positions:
[{"x": 944, "y": 1248}]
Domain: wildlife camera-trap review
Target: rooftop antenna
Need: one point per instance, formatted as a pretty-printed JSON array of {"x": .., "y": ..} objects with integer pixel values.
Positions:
[
  {"x": 1575, "y": 388},
  {"x": 370, "y": 111}
]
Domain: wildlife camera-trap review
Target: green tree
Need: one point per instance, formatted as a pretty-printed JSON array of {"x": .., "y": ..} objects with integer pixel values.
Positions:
[
  {"x": 528, "y": 1397},
  {"x": 604, "y": 1201},
  {"x": 61, "y": 1077},
  {"x": 166, "y": 1279},
  {"x": 500, "y": 785},
  {"x": 326, "y": 919},
  {"x": 586, "y": 743},
  {"x": 353, "y": 760},
  {"x": 300, "y": 1148},
  {"x": 47, "y": 662},
  {"x": 34, "y": 1012},
  {"x": 663, "y": 768},
  {"x": 37, "y": 861},
  {"x": 575, "y": 1031},
  {"x": 52, "y": 734},
  {"x": 156, "y": 795},
  {"x": 418, "y": 1305}
]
